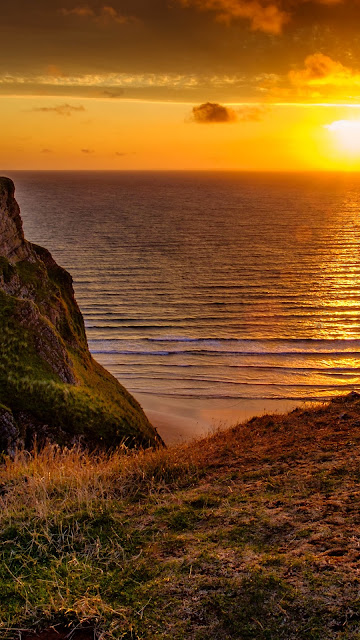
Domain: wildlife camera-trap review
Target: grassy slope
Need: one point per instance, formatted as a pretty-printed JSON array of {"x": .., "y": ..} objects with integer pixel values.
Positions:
[
  {"x": 98, "y": 408},
  {"x": 251, "y": 534}
]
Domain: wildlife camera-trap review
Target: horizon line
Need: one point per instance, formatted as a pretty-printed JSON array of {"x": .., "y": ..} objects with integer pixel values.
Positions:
[{"x": 167, "y": 170}]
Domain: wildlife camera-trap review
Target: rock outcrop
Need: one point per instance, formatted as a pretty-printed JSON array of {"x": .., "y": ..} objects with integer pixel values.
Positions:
[
  {"x": 13, "y": 246},
  {"x": 50, "y": 386}
]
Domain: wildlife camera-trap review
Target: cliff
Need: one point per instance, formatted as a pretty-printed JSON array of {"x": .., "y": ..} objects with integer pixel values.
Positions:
[{"x": 50, "y": 386}]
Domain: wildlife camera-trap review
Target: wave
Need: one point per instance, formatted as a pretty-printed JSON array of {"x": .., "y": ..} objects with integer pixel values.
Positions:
[
  {"x": 280, "y": 340},
  {"x": 216, "y": 353},
  {"x": 128, "y": 326},
  {"x": 224, "y": 396},
  {"x": 255, "y": 367},
  {"x": 155, "y": 296},
  {"x": 275, "y": 385}
]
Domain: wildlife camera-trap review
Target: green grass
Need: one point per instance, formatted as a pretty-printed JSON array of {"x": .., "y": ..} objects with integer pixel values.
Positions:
[
  {"x": 7, "y": 270},
  {"x": 42, "y": 346},
  {"x": 191, "y": 542}
]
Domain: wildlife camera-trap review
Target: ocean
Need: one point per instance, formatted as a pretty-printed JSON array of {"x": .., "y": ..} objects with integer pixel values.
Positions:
[{"x": 210, "y": 289}]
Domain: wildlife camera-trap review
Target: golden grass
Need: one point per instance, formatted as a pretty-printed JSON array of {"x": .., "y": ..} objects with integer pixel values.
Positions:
[
  {"x": 252, "y": 534},
  {"x": 77, "y": 477}
]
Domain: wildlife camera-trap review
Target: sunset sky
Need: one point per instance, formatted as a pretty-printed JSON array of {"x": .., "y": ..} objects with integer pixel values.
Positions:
[{"x": 180, "y": 84}]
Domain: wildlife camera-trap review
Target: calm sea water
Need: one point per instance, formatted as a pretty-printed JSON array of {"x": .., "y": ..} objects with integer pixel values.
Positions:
[{"x": 210, "y": 285}]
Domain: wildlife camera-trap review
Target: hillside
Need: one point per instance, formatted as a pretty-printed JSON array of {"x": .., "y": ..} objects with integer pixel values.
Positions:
[
  {"x": 252, "y": 533},
  {"x": 50, "y": 386}
]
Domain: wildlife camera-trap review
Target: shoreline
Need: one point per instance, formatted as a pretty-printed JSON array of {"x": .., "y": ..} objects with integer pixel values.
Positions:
[{"x": 179, "y": 420}]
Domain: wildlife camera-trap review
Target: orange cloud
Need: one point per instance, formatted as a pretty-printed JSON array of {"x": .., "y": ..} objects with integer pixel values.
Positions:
[
  {"x": 104, "y": 15},
  {"x": 320, "y": 69},
  {"x": 267, "y": 17},
  {"x": 320, "y": 78},
  {"x": 81, "y": 12},
  {"x": 109, "y": 14}
]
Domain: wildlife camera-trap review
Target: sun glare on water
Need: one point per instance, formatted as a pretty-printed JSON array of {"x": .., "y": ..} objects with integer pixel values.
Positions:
[{"x": 346, "y": 134}]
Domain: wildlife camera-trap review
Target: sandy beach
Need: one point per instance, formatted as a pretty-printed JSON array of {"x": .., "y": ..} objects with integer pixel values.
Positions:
[{"x": 179, "y": 420}]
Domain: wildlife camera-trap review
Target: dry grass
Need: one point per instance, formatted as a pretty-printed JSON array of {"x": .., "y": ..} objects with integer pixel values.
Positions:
[
  {"x": 56, "y": 478},
  {"x": 253, "y": 533}
]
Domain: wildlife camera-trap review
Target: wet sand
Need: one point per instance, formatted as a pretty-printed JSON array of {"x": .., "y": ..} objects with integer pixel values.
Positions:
[{"x": 183, "y": 419}]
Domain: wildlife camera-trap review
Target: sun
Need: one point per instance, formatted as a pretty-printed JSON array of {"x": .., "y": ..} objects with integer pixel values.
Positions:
[{"x": 346, "y": 134}]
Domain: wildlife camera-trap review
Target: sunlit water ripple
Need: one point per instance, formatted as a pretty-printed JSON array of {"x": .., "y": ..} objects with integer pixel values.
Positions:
[{"x": 210, "y": 285}]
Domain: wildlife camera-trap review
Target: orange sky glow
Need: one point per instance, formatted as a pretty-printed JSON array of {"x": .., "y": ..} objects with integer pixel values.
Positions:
[{"x": 192, "y": 84}]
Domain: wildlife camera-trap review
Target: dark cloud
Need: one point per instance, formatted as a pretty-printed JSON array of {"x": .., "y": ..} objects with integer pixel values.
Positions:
[
  {"x": 113, "y": 93},
  {"x": 212, "y": 113},
  {"x": 87, "y": 151},
  {"x": 46, "y": 150},
  {"x": 61, "y": 109}
]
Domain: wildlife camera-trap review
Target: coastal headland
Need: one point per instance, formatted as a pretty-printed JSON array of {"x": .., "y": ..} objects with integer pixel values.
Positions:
[{"x": 51, "y": 389}]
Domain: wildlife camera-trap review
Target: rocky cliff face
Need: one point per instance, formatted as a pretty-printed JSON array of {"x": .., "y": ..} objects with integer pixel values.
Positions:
[
  {"x": 50, "y": 386},
  {"x": 12, "y": 243}
]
